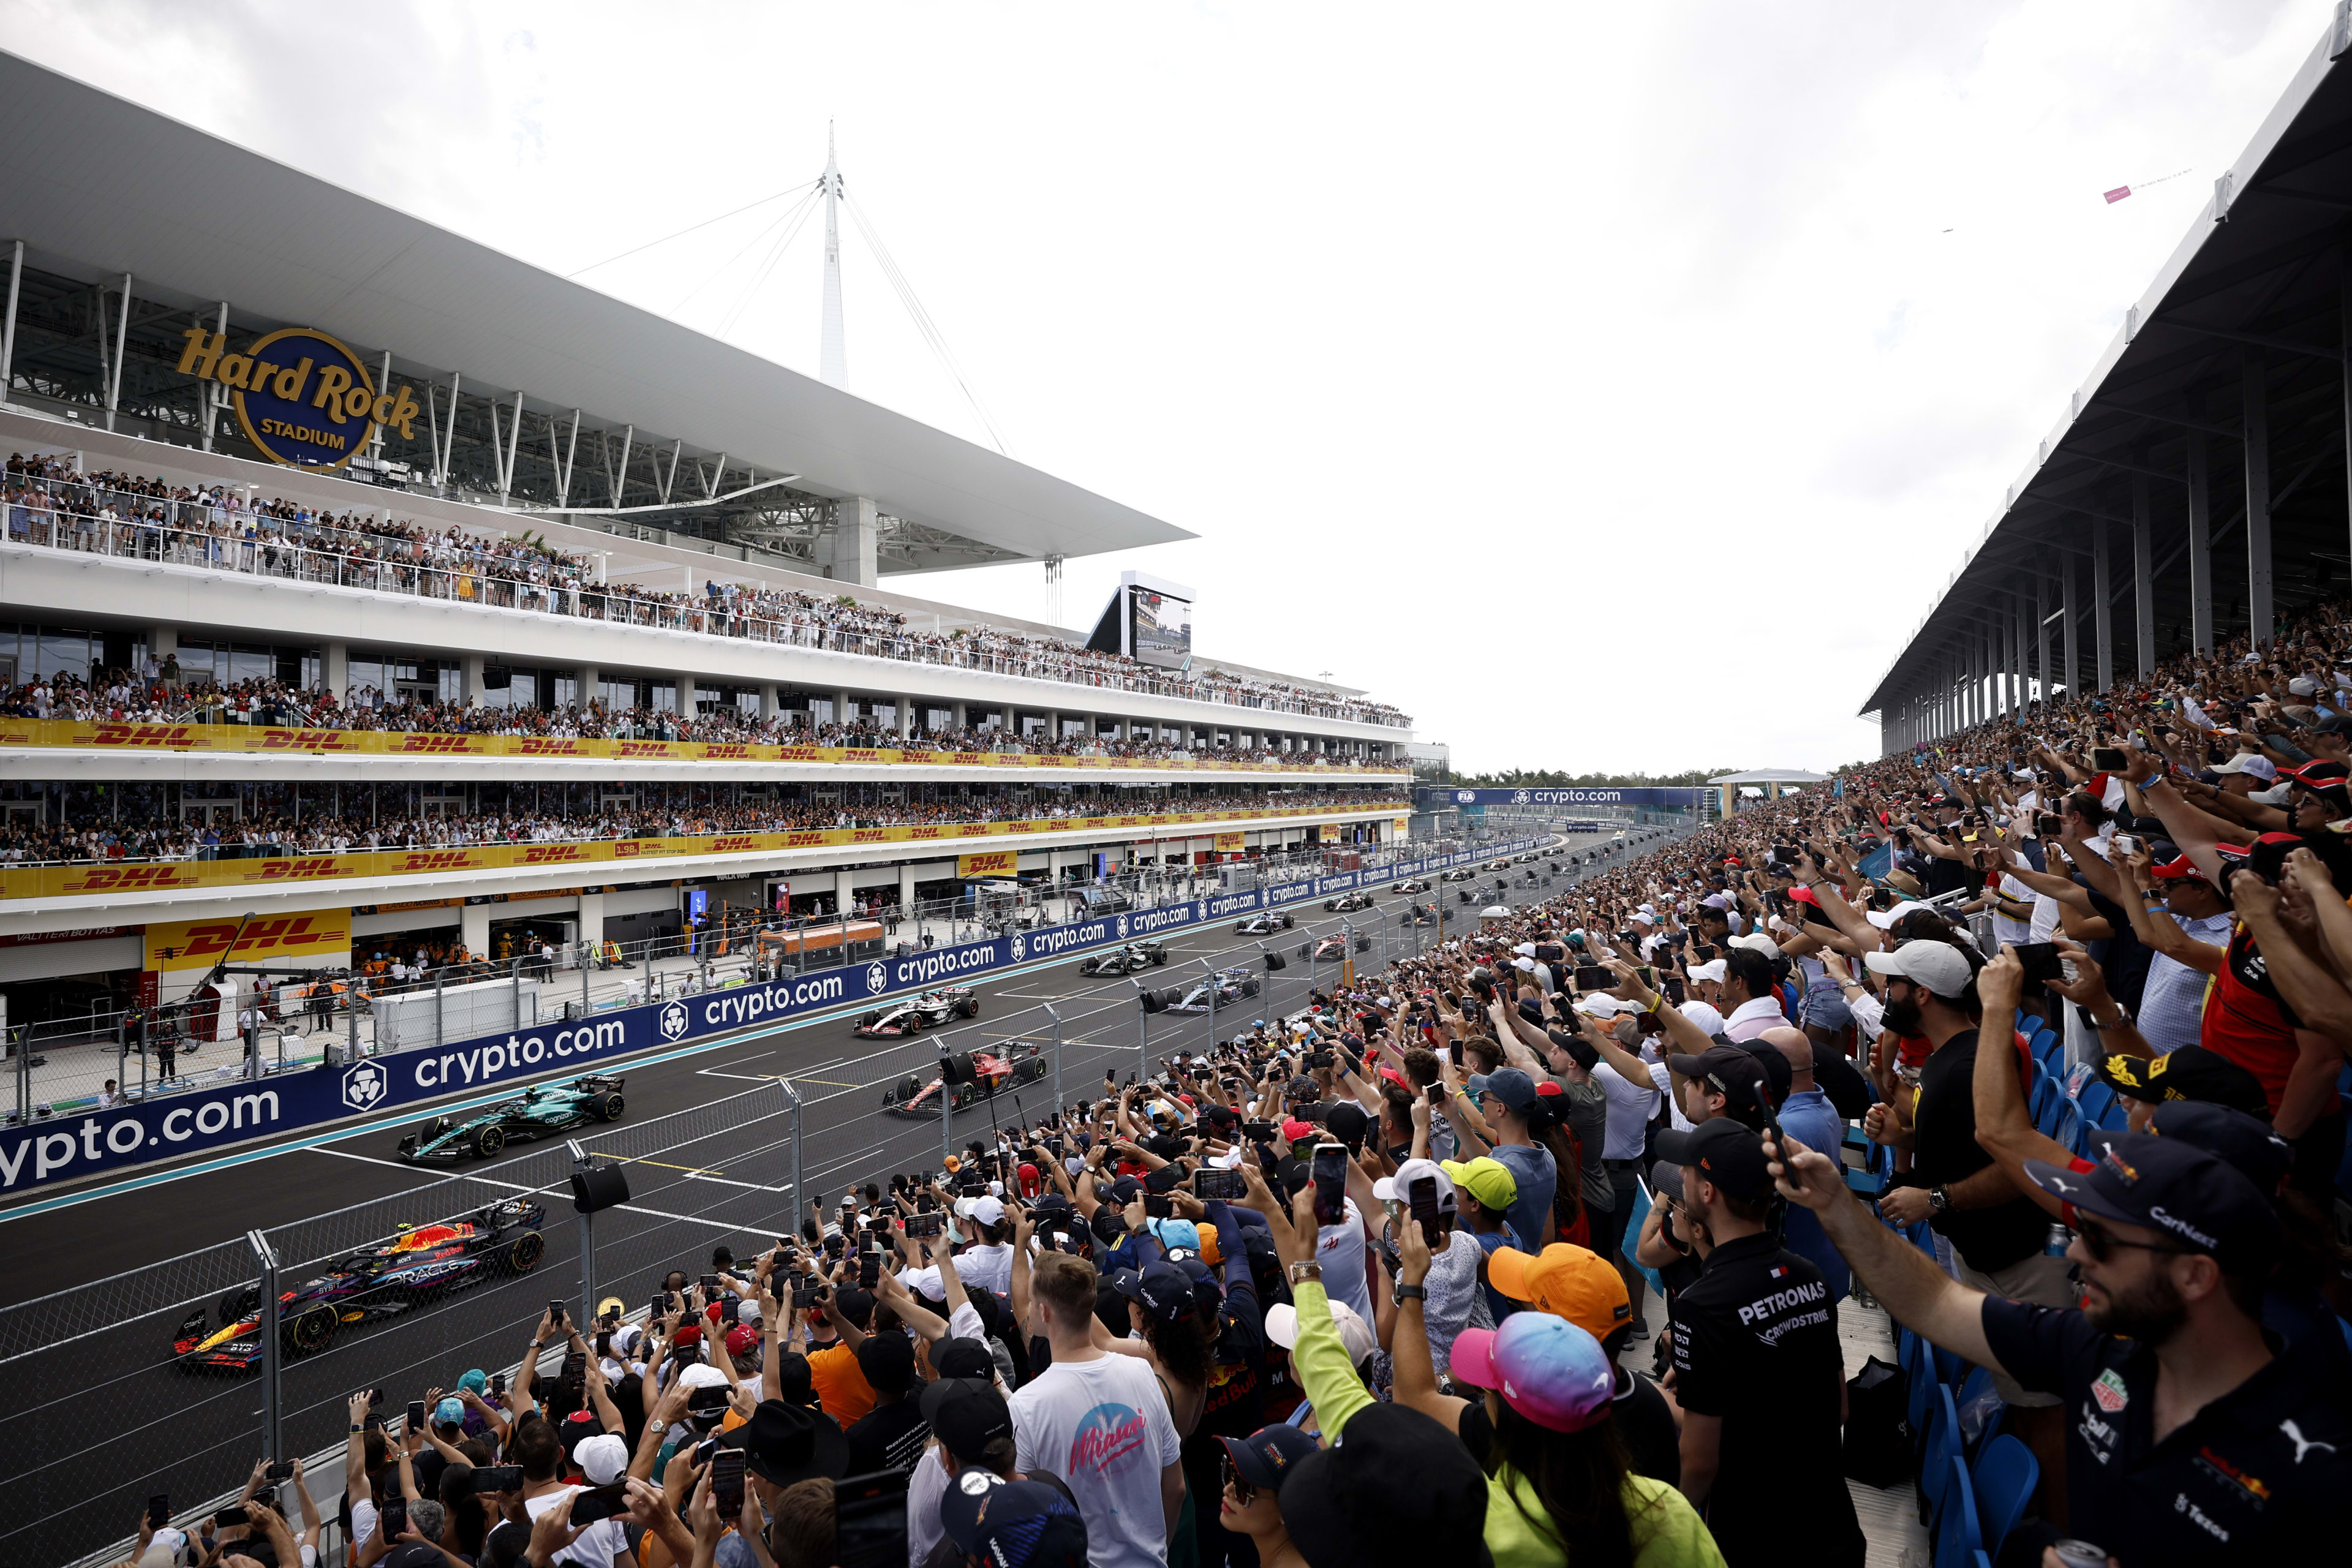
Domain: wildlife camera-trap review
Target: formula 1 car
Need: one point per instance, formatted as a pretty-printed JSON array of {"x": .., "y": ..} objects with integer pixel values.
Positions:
[
  {"x": 1127, "y": 959},
  {"x": 915, "y": 1014},
  {"x": 1419, "y": 915},
  {"x": 1347, "y": 903},
  {"x": 1501, "y": 863},
  {"x": 415, "y": 1268},
  {"x": 1230, "y": 986},
  {"x": 979, "y": 1075},
  {"x": 1412, "y": 885},
  {"x": 1459, "y": 874},
  {"x": 1330, "y": 949},
  {"x": 1264, "y": 921},
  {"x": 542, "y": 1110}
]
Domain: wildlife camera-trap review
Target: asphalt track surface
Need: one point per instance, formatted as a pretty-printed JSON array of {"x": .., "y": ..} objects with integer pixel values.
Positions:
[{"x": 705, "y": 1141}]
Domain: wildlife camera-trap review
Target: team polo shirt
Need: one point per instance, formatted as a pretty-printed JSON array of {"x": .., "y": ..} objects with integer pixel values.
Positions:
[
  {"x": 2259, "y": 1474},
  {"x": 2246, "y": 1021},
  {"x": 1756, "y": 1344}
]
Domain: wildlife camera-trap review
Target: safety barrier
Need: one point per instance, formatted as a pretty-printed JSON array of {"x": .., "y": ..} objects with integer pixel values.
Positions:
[{"x": 58, "y": 1150}]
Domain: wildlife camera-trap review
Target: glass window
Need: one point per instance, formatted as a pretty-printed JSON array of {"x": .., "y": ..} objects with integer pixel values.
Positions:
[{"x": 61, "y": 652}]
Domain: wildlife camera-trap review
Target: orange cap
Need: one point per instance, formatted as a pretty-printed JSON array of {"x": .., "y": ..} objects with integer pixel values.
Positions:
[{"x": 1566, "y": 1280}]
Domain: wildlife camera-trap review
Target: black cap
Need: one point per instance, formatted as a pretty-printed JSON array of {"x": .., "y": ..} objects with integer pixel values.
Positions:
[
  {"x": 2245, "y": 1143},
  {"x": 1302, "y": 1088},
  {"x": 1400, "y": 1488},
  {"x": 887, "y": 1361},
  {"x": 785, "y": 1444},
  {"x": 1346, "y": 1122},
  {"x": 1724, "y": 1152},
  {"x": 1266, "y": 1456},
  {"x": 1779, "y": 1076},
  {"x": 967, "y": 1414},
  {"x": 2169, "y": 1186},
  {"x": 2192, "y": 1072},
  {"x": 1013, "y": 1525},
  {"x": 856, "y": 1303},
  {"x": 1729, "y": 1071},
  {"x": 962, "y": 1358}
]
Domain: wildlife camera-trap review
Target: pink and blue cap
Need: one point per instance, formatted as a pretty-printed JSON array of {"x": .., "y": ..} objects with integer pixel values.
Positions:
[{"x": 1546, "y": 1368}]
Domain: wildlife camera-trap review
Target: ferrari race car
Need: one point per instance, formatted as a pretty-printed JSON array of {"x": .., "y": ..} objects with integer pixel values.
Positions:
[
  {"x": 1412, "y": 885},
  {"x": 541, "y": 1111},
  {"x": 1128, "y": 959},
  {"x": 915, "y": 1014},
  {"x": 380, "y": 1281},
  {"x": 1347, "y": 903},
  {"x": 1230, "y": 986},
  {"x": 1330, "y": 949},
  {"x": 1460, "y": 874},
  {"x": 1265, "y": 920},
  {"x": 978, "y": 1075}
]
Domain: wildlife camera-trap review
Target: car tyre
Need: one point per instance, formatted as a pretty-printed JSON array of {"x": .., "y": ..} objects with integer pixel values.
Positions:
[
  {"x": 969, "y": 1007},
  {"x": 915, "y": 1025},
  {"x": 605, "y": 1107},
  {"x": 523, "y": 1252},
  {"x": 310, "y": 1329},
  {"x": 486, "y": 1141}
]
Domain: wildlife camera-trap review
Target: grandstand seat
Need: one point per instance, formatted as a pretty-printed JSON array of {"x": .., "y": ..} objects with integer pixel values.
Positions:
[
  {"x": 2041, "y": 1101},
  {"x": 1920, "y": 1368},
  {"x": 2067, "y": 1124},
  {"x": 2095, "y": 1100},
  {"x": 2049, "y": 1051},
  {"x": 1936, "y": 1454},
  {"x": 1870, "y": 1177},
  {"x": 2004, "y": 1478},
  {"x": 1973, "y": 1388},
  {"x": 1958, "y": 1540},
  {"x": 1951, "y": 1370}
]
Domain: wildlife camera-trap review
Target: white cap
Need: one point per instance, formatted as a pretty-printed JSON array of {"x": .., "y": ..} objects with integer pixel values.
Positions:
[
  {"x": 987, "y": 1210},
  {"x": 1399, "y": 1187},
  {"x": 1707, "y": 1018},
  {"x": 1757, "y": 942},
  {"x": 603, "y": 1458},
  {"x": 1524, "y": 966},
  {"x": 1713, "y": 969},
  {"x": 1886, "y": 920},
  {"x": 1596, "y": 1006},
  {"x": 2251, "y": 763},
  {"x": 702, "y": 1375},
  {"x": 1282, "y": 1328},
  {"x": 747, "y": 1312},
  {"x": 1938, "y": 966},
  {"x": 1525, "y": 950}
]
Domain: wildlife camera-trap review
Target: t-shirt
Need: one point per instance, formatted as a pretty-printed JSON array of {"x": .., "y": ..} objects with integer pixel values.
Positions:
[
  {"x": 1103, "y": 1426},
  {"x": 1529, "y": 1215},
  {"x": 1451, "y": 1285},
  {"x": 887, "y": 1438},
  {"x": 840, "y": 1387},
  {"x": 1756, "y": 1344},
  {"x": 1666, "y": 1534},
  {"x": 1630, "y": 1107},
  {"x": 2246, "y": 1021},
  {"x": 1945, "y": 1119},
  {"x": 1490, "y": 1242},
  {"x": 596, "y": 1545},
  {"x": 1339, "y": 1248},
  {"x": 2258, "y": 1475}
]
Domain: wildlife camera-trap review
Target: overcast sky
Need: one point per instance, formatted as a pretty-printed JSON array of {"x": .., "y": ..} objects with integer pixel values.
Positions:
[{"x": 1608, "y": 386}]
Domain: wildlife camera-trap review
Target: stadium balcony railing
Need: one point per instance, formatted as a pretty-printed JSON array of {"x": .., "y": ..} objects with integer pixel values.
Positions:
[{"x": 77, "y": 516}]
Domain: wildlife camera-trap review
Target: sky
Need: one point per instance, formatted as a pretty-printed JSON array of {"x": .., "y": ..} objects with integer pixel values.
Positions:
[{"x": 1609, "y": 387}]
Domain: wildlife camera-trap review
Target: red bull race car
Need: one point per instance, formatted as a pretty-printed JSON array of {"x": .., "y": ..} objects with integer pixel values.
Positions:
[
  {"x": 415, "y": 1268},
  {"x": 915, "y": 1014},
  {"x": 978, "y": 1076}
]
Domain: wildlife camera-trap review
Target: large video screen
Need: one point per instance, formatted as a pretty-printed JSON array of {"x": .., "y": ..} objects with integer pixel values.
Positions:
[{"x": 1161, "y": 631}]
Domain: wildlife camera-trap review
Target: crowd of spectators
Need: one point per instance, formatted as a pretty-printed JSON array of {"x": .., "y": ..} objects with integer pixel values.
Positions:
[
  {"x": 1367, "y": 1282},
  {"x": 47, "y": 502},
  {"x": 24, "y": 843}
]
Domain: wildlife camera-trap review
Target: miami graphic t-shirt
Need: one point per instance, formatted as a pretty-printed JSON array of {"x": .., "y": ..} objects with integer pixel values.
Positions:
[{"x": 1103, "y": 1426}]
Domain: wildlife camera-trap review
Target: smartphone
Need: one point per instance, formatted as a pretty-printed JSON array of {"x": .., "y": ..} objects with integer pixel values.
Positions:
[
  {"x": 230, "y": 1517},
  {"x": 159, "y": 1511},
  {"x": 1156, "y": 1205},
  {"x": 1214, "y": 1183},
  {"x": 1258, "y": 1132},
  {"x": 279, "y": 1470},
  {"x": 590, "y": 1504},
  {"x": 555, "y": 1313},
  {"x": 1166, "y": 1179},
  {"x": 869, "y": 1269},
  {"x": 416, "y": 1415},
  {"x": 803, "y": 1294},
  {"x": 869, "y": 1521},
  {"x": 1649, "y": 975},
  {"x": 1675, "y": 992},
  {"x": 2109, "y": 759},
  {"x": 711, "y": 1286},
  {"x": 2047, "y": 826},
  {"x": 1592, "y": 977},
  {"x": 657, "y": 1307},
  {"x": 498, "y": 1478},
  {"x": 2040, "y": 962},
  {"x": 2126, "y": 844},
  {"x": 394, "y": 1519},
  {"x": 924, "y": 1226},
  {"x": 1329, "y": 1170},
  {"x": 1424, "y": 1197},
  {"x": 498, "y": 1385}
]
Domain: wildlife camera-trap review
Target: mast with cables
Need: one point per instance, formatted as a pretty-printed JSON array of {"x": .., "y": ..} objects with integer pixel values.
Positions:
[{"x": 834, "y": 362}]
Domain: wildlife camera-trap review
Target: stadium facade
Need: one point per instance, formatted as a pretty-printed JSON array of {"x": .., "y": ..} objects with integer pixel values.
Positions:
[{"x": 292, "y": 453}]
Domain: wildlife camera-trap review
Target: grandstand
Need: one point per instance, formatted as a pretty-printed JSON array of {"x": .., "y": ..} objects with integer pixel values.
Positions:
[{"x": 2194, "y": 490}]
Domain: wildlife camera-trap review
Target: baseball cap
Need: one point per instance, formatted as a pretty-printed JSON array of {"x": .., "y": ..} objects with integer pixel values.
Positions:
[
  {"x": 1545, "y": 1367},
  {"x": 1713, "y": 969},
  {"x": 742, "y": 1340},
  {"x": 1282, "y": 1328},
  {"x": 887, "y": 1361},
  {"x": 2251, "y": 763},
  {"x": 1265, "y": 1456},
  {"x": 2176, "y": 868},
  {"x": 2190, "y": 1072},
  {"x": 1011, "y": 1524},
  {"x": 1938, "y": 965},
  {"x": 2170, "y": 1185},
  {"x": 603, "y": 1458},
  {"x": 2320, "y": 775},
  {"x": 1706, "y": 1015},
  {"x": 450, "y": 1411},
  {"x": 474, "y": 1381},
  {"x": 1725, "y": 1152},
  {"x": 1884, "y": 920},
  {"x": 986, "y": 1209},
  {"x": 1294, "y": 1130},
  {"x": 1399, "y": 1187},
  {"x": 1484, "y": 1178},
  {"x": 1163, "y": 1288},
  {"x": 1566, "y": 1280},
  {"x": 1515, "y": 1089},
  {"x": 786, "y": 1443},
  {"x": 963, "y": 1357},
  {"x": 1757, "y": 942},
  {"x": 1400, "y": 1488},
  {"x": 1730, "y": 1071},
  {"x": 2245, "y": 1143},
  {"x": 967, "y": 1415},
  {"x": 1346, "y": 1122},
  {"x": 1176, "y": 1233}
]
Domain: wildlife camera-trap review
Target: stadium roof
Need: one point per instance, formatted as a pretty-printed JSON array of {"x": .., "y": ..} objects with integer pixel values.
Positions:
[
  {"x": 1771, "y": 775},
  {"x": 89, "y": 178},
  {"x": 2251, "y": 310}
]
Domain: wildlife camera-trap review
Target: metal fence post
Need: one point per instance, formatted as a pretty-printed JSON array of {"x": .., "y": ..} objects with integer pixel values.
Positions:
[
  {"x": 266, "y": 1257},
  {"x": 351, "y": 1016},
  {"x": 440, "y": 979},
  {"x": 947, "y": 1111},
  {"x": 793, "y": 1110},
  {"x": 517, "y": 994},
  {"x": 587, "y": 1241},
  {"x": 1050, "y": 1012},
  {"x": 587, "y": 1006},
  {"x": 252, "y": 1041}
]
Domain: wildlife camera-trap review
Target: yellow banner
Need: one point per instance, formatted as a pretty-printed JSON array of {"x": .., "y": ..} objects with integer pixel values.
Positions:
[
  {"x": 1229, "y": 843},
  {"x": 255, "y": 737},
  {"x": 1402, "y": 825},
  {"x": 130, "y": 877},
  {"x": 304, "y": 937},
  {"x": 1330, "y": 832},
  {"x": 992, "y": 863}
]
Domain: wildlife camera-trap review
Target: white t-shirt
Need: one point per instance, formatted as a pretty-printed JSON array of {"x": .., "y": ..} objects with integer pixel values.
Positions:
[
  {"x": 990, "y": 1267},
  {"x": 364, "y": 1519},
  {"x": 925, "y": 1487},
  {"x": 1630, "y": 1106},
  {"x": 1103, "y": 1426},
  {"x": 1339, "y": 1248},
  {"x": 597, "y": 1545}
]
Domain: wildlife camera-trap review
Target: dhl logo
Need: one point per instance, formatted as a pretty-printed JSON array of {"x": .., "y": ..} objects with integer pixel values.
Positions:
[
  {"x": 801, "y": 840},
  {"x": 734, "y": 843},
  {"x": 718, "y": 752},
  {"x": 300, "y": 868},
  {"x": 288, "y": 934},
  {"x": 928, "y": 832},
  {"x": 870, "y": 835},
  {"x": 797, "y": 754},
  {"x": 435, "y": 746},
  {"x": 553, "y": 853},
  {"x": 141, "y": 735},
  {"x": 307, "y": 740},
  {"x": 968, "y": 759},
  {"x": 641, "y": 748},
  {"x": 860, "y": 754},
  {"x": 436, "y": 859},
  {"x": 129, "y": 878},
  {"x": 538, "y": 746}
]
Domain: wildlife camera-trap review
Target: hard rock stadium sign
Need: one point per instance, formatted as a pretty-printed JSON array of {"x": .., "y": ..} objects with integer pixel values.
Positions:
[{"x": 304, "y": 399}]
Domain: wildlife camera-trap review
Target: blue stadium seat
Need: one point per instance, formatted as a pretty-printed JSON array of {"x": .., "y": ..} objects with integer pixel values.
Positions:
[
  {"x": 2005, "y": 1476},
  {"x": 2094, "y": 1102},
  {"x": 2049, "y": 1051},
  {"x": 1870, "y": 1177},
  {"x": 1975, "y": 1386},
  {"x": 1951, "y": 1370},
  {"x": 1939, "y": 1453},
  {"x": 2067, "y": 1125},
  {"x": 1920, "y": 1368},
  {"x": 1958, "y": 1541},
  {"x": 2041, "y": 1101}
]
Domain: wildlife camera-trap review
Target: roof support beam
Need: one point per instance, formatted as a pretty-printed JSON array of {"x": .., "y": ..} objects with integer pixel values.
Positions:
[
  {"x": 2255, "y": 340},
  {"x": 2255, "y": 385}
]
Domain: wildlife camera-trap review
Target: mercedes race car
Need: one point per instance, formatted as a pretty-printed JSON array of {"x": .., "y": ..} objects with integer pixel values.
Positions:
[
  {"x": 415, "y": 1268},
  {"x": 978, "y": 1075},
  {"x": 915, "y": 1014},
  {"x": 1128, "y": 959},
  {"x": 1330, "y": 949},
  {"x": 1230, "y": 986},
  {"x": 542, "y": 1110},
  {"x": 1265, "y": 920},
  {"x": 1347, "y": 903},
  {"x": 1412, "y": 885}
]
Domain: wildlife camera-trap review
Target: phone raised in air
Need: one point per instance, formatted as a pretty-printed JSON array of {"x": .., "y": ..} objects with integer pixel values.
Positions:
[
  {"x": 1214, "y": 1183},
  {"x": 1329, "y": 1170},
  {"x": 1426, "y": 1212},
  {"x": 2109, "y": 759},
  {"x": 415, "y": 1415},
  {"x": 1593, "y": 977},
  {"x": 2040, "y": 962},
  {"x": 1165, "y": 1179}
]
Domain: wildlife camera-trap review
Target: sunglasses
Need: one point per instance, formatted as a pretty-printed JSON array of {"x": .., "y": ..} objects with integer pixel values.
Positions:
[
  {"x": 2101, "y": 1243},
  {"x": 1242, "y": 1491}
]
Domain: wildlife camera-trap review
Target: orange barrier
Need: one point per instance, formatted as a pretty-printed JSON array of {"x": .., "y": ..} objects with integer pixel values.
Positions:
[
  {"x": 262, "y": 739},
  {"x": 127, "y": 875}
]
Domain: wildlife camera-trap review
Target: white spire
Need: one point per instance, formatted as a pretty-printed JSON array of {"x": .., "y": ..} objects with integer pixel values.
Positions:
[{"x": 834, "y": 362}]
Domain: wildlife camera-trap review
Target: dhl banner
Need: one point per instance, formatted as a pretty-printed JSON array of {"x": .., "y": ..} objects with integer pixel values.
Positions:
[
  {"x": 258, "y": 738},
  {"x": 1402, "y": 825},
  {"x": 165, "y": 876},
  {"x": 1229, "y": 843},
  {"x": 1330, "y": 833},
  {"x": 267, "y": 940},
  {"x": 991, "y": 863}
]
